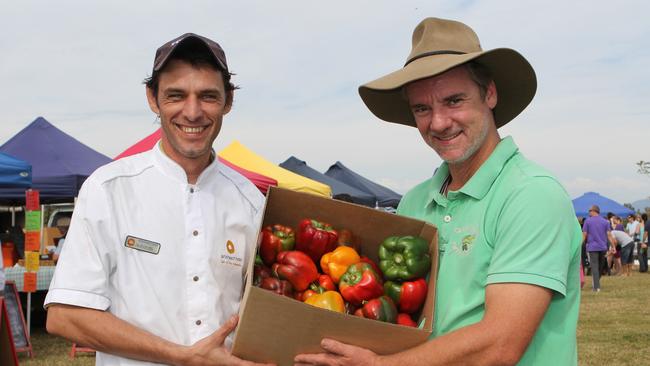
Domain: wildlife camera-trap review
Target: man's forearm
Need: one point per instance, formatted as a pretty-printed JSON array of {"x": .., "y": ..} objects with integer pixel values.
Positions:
[
  {"x": 512, "y": 314},
  {"x": 105, "y": 332},
  {"x": 475, "y": 344}
]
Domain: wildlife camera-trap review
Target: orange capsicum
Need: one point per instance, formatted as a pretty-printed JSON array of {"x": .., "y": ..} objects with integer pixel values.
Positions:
[
  {"x": 336, "y": 262},
  {"x": 330, "y": 300}
]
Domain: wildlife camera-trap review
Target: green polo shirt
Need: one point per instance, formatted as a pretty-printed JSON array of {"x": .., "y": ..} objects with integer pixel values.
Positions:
[{"x": 511, "y": 222}]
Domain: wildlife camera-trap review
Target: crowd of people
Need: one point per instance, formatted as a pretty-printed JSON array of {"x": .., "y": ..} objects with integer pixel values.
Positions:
[{"x": 610, "y": 246}]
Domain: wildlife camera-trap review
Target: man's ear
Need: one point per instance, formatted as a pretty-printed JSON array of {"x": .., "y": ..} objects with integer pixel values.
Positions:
[
  {"x": 230, "y": 95},
  {"x": 491, "y": 95},
  {"x": 152, "y": 100}
]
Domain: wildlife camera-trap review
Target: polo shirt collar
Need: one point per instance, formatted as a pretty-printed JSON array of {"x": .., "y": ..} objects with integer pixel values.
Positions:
[
  {"x": 480, "y": 183},
  {"x": 435, "y": 184},
  {"x": 174, "y": 170}
]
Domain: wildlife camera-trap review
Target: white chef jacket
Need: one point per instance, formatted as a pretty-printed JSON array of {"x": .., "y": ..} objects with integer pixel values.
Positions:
[{"x": 164, "y": 255}]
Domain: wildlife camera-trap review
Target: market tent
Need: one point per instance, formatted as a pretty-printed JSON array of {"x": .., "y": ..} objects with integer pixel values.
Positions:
[
  {"x": 300, "y": 167},
  {"x": 60, "y": 163},
  {"x": 261, "y": 182},
  {"x": 385, "y": 196},
  {"x": 582, "y": 204},
  {"x": 241, "y": 156},
  {"x": 141, "y": 146},
  {"x": 14, "y": 172}
]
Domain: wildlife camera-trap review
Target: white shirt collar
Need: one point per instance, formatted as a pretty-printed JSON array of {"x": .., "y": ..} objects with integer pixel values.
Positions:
[{"x": 173, "y": 169}]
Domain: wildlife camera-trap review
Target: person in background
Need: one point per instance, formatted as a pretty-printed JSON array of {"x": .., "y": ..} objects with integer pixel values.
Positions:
[
  {"x": 632, "y": 227},
  {"x": 62, "y": 224},
  {"x": 614, "y": 254},
  {"x": 158, "y": 246},
  {"x": 508, "y": 278},
  {"x": 596, "y": 234},
  {"x": 584, "y": 259},
  {"x": 621, "y": 239},
  {"x": 642, "y": 252}
]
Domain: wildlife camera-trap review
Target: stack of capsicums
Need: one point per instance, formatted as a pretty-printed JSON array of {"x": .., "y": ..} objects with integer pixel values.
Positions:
[{"x": 316, "y": 265}]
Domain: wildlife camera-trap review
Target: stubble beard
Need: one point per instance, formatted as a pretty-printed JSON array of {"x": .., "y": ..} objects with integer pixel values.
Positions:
[{"x": 473, "y": 147}]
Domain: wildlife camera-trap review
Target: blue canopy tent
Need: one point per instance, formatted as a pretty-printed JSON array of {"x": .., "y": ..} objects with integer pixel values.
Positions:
[
  {"x": 385, "y": 197},
  {"x": 300, "y": 167},
  {"x": 582, "y": 204},
  {"x": 14, "y": 172},
  {"x": 60, "y": 163}
]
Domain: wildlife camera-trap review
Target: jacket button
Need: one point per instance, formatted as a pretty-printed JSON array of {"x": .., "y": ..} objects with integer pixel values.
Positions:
[
  {"x": 195, "y": 232},
  {"x": 447, "y": 218},
  {"x": 198, "y": 322},
  {"x": 195, "y": 278}
]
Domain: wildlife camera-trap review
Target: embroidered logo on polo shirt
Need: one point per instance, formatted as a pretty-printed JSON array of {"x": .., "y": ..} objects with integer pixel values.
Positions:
[
  {"x": 231, "y": 256},
  {"x": 465, "y": 242},
  {"x": 142, "y": 245}
]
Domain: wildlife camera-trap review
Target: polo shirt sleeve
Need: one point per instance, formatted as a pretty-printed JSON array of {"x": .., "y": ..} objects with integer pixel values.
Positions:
[
  {"x": 82, "y": 272},
  {"x": 536, "y": 236}
]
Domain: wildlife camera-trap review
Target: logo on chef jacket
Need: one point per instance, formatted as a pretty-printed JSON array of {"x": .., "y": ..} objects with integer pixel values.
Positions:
[{"x": 231, "y": 257}]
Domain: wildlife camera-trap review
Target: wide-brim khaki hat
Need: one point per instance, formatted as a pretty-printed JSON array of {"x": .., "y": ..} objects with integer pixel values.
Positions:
[{"x": 439, "y": 45}]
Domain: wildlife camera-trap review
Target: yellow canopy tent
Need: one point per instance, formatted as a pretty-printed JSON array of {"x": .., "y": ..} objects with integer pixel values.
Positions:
[{"x": 240, "y": 155}]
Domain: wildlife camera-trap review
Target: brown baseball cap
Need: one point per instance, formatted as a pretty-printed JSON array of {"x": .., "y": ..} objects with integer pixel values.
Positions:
[{"x": 163, "y": 53}]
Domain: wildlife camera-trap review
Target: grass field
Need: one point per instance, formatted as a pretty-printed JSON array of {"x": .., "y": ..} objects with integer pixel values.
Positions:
[{"x": 614, "y": 328}]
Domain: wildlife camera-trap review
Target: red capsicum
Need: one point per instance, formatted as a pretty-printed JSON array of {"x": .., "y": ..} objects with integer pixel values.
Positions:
[
  {"x": 315, "y": 238},
  {"x": 408, "y": 295},
  {"x": 381, "y": 308},
  {"x": 374, "y": 265},
  {"x": 360, "y": 283},
  {"x": 405, "y": 319},
  {"x": 276, "y": 239},
  {"x": 280, "y": 287},
  {"x": 297, "y": 268},
  {"x": 324, "y": 283},
  {"x": 260, "y": 272}
]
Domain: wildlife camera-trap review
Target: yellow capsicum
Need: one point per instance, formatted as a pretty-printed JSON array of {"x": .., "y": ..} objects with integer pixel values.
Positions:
[
  {"x": 336, "y": 262},
  {"x": 330, "y": 300}
]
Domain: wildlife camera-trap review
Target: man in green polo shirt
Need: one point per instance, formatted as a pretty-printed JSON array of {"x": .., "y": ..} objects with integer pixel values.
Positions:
[{"x": 509, "y": 244}]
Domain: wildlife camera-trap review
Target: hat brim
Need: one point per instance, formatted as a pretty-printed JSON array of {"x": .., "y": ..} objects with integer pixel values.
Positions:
[{"x": 514, "y": 78}]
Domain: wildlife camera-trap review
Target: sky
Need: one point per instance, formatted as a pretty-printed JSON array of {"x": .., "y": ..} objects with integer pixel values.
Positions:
[{"x": 80, "y": 65}]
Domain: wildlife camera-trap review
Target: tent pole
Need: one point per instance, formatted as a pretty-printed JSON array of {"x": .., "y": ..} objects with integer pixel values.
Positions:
[
  {"x": 40, "y": 250},
  {"x": 29, "y": 313}
]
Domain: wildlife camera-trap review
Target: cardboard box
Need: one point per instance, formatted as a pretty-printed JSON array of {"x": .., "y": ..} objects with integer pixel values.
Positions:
[{"x": 275, "y": 328}]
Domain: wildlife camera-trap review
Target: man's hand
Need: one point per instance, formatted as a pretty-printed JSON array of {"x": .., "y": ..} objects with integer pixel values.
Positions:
[
  {"x": 211, "y": 350},
  {"x": 513, "y": 312},
  {"x": 338, "y": 354}
]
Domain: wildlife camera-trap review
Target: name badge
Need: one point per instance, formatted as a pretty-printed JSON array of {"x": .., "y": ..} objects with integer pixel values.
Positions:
[{"x": 143, "y": 245}]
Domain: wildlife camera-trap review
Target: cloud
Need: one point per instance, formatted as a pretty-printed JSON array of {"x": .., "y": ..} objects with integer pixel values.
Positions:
[{"x": 81, "y": 64}]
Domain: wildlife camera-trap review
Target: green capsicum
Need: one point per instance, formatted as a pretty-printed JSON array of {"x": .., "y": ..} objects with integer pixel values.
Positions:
[{"x": 404, "y": 258}]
